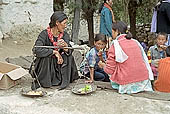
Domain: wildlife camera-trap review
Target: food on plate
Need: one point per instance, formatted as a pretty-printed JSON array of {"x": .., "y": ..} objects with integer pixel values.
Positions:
[
  {"x": 35, "y": 93},
  {"x": 86, "y": 89}
]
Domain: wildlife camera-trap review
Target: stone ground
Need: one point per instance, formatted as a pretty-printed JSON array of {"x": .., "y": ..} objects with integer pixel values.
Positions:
[{"x": 105, "y": 101}]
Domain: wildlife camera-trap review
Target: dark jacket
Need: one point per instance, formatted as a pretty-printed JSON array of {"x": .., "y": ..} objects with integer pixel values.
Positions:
[
  {"x": 46, "y": 69},
  {"x": 163, "y": 18}
]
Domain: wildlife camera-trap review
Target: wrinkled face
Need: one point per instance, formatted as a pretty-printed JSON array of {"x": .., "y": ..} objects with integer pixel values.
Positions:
[
  {"x": 161, "y": 40},
  {"x": 100, "y": 45},
  {"x": 114, "y": 34},
  {"x": 61, "y": 26}
]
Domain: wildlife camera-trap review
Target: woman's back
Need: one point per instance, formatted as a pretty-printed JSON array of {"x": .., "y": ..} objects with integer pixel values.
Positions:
[{"x": 134, "y": 68}]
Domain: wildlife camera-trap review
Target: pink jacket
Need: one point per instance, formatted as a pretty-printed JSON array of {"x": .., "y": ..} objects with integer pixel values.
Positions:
[{"x": 130, "y": 71}]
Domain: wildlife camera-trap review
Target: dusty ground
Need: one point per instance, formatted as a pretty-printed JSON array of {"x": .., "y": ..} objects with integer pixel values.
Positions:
[{"x": 65, "y": 102}]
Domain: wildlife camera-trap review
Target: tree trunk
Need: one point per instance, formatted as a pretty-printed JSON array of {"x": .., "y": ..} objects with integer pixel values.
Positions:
[
  {"x": 76, "y": 22},
  {"x": 90, "y": 30},
  {"x": 132, "y": 7},
  {"x": 126, "y": 10},
  {"x": 58, "y": 5}
]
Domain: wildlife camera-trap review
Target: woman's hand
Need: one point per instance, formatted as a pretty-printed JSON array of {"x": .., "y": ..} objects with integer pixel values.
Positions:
[
  {"x": 62, "y": 43},
  {"x": 59, "y": 57}
]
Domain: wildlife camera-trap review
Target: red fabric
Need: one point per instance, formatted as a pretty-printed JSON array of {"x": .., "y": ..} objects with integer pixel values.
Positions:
[
  {"x": 163, "y": 82},
  {"x": 50, "y": 35},
  {"x": 107, "y": 6},
  {"x": 130, "y": 71}
]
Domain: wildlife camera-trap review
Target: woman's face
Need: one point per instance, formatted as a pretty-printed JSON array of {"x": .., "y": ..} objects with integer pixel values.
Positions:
[
  {"x": 61, "y": 26},
  {"x": 114, "y": 34}
]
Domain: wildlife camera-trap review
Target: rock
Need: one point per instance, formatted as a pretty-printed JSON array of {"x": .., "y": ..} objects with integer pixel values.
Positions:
[
  {"x": 17, "y": 1},
  {"x": 6, "y": 35},
  {"x": 31, "y": 1}
]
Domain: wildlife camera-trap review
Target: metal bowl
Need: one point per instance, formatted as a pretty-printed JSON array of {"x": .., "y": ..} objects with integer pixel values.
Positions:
[
  {"x": 77, "y": 87},
  {"x": 31, "y": 93}
]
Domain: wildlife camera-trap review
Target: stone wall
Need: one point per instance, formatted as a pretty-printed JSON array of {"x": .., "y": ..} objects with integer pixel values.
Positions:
[
  {"x": 24, "y": 12},
  {"x": 144, "y": 34}
]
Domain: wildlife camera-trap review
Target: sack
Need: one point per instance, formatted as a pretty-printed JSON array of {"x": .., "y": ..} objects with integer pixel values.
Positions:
[{"x": 84, "y": 67}]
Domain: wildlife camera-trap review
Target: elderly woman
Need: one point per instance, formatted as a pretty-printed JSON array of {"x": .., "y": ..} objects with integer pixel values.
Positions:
[
  {"x": 127, "y": 63},
  {"x": 53, "y": 67}
]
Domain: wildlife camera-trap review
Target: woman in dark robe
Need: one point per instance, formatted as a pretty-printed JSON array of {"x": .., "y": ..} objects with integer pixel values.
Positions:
[{"x": 53, "y": 67}]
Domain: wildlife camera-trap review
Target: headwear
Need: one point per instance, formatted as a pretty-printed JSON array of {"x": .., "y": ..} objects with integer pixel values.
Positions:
[
  {"x": 154, "y": 17},
  {"x": 57, "y": 16}
]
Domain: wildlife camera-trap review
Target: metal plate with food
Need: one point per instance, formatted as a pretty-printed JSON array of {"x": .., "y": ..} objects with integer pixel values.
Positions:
[
  {"x": 31, "y": 93},
  {"x": 82, "y": 89}
]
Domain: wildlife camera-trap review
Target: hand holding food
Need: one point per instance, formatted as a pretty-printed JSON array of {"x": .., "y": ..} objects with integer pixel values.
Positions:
[
  {"x": 100, "y": 53},
  {"x": 62, "y": 43},
  {"x": 101, "y": 64},
  {"x": 163, "y": 47}
]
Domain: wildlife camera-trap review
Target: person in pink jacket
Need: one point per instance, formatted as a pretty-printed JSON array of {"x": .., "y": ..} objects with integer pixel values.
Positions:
[{"x": 127, "y": 63}]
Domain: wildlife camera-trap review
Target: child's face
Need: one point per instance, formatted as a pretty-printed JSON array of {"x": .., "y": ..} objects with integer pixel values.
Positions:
[
  {"x": 100, "y": 45},
  {"x": 161, "y": 40}
]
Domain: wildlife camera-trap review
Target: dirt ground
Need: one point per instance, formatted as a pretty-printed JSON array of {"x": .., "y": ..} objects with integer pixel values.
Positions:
[{"x": 65, "y": 102}]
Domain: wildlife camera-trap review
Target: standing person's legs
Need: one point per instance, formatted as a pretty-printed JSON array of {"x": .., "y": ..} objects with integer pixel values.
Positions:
[
  {"x": 109, "y": 42},
  {"x": 168, "y": 41}
]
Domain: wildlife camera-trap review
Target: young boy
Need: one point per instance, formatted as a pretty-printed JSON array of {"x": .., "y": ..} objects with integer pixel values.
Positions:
[
  {"x": 89, "y": 67},
  {"x": 158, "y": 51}
]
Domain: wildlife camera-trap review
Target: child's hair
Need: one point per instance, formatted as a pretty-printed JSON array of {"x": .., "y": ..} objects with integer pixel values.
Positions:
[
  {"x": 122, "y": 28},
  {"x": 101, "y": 37},
  {"x": 163, "y": 34},
  {"x": 168, "y": 51}
]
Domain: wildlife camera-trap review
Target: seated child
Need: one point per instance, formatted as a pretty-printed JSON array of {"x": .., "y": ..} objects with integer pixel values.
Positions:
[
  {"x": 89, "y": 67},
  {"x": 162, "y": 84},
  {"x": 158, "y": 51}
]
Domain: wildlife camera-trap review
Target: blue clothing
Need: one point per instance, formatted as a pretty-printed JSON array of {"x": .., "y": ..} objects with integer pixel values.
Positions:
[
  {"x": 156, "y": 54},
  {"x": 133, "y": 87},
  {"x": 99, "y": 75},
  {"x": 91, "y": 60},
  {"x": 106, "y": 22}
]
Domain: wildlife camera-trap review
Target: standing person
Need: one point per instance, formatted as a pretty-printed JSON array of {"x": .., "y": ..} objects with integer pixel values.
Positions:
[
  {"x": 106, "y": 19},
  {"x": 127, "y": 63},
  {"x": 161, "y": 18},
  {"x": 89, "y": 67},
  {"x": 162, "y": 84},
  {"x": 54, "y": 67}
]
